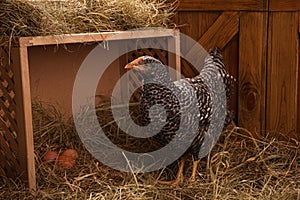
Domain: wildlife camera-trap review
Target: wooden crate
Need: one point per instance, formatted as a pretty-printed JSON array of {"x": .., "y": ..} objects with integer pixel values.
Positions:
[
  {"x": 45, "y": 67},
  {"x": 260, "y": 42}
]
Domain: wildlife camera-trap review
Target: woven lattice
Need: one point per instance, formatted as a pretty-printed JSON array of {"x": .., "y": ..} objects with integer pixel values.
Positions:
[
  {"x": 157, "y": 45},
  {"x": 8, "y": 124}
]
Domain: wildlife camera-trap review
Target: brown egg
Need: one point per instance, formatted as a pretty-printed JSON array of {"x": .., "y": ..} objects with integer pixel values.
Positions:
[
  {"x": 71, "y": 153},
  {"x": 65, "y": 162},
  {"x": 50, "y": 156}
]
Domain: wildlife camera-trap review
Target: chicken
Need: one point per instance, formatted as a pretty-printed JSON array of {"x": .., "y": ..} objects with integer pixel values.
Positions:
[{"x": 158, "y": 88}]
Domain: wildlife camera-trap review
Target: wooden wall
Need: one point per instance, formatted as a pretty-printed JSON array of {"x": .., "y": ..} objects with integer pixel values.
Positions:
[{"x": 260, "y": 42}]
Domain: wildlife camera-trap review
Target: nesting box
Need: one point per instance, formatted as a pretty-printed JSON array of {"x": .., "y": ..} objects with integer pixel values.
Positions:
[{"x": 45, "y": 67}]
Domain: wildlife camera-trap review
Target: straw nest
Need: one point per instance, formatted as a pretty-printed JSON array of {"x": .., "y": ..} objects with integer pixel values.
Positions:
[
  {"x": 239, "y": 167},
  {"x": 52, "y": 17}
]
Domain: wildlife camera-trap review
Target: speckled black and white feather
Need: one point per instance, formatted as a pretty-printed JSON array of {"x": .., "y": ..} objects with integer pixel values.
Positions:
[{"x": 153, "y": 94}]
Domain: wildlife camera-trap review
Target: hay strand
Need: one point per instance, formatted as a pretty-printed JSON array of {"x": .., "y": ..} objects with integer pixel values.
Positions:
[
  {"x": 239, "y": 167},
  {"x": 54, "y": 17}
]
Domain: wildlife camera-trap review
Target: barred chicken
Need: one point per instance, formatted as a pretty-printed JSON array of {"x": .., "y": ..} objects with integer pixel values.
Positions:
[{"x": 159, "y": 89}]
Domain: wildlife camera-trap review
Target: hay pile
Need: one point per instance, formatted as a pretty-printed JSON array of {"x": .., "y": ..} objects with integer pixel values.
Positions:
[
  {"x": 239, "y": 167},
  {"x": 53, "y": 17}
]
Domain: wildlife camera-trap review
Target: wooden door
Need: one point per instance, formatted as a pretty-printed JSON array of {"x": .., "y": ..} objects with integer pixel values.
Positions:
[{"x": 253, "y": 35}]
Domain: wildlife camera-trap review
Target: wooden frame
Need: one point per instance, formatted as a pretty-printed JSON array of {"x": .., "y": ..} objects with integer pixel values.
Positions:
[{"x": 21, "y": 66}]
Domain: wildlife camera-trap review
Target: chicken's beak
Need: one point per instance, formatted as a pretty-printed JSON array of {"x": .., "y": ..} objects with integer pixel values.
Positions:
[
  {"x": 129, "y": 66},
  {"x": 135, "y": 67},
  {"x": 134, "y": 64}
]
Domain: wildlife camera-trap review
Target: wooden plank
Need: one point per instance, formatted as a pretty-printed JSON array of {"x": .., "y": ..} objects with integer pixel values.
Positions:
[
  {"x": 218, "y": 35},
  {"x": 190, "y": 24},
  {"x": 194, "y": 25},
  {"x": 298, "y": 102},
  {"x": 283, "y": 74},
  {"x": 231, "y": 59},
  {"x": 284, "y": 5},
  {"x": 24, "y": 116},
  {"x": 221, "y": 32},
  {"x": 223, "y": 5},
  {"x": 92, "y": 37},
  {"x": 252, "y": 71}
]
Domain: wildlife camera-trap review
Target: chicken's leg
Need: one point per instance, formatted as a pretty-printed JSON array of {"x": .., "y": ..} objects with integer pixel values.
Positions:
[
  {"x": 194, "y": 170},
  {"x": 179, "y": 176}
]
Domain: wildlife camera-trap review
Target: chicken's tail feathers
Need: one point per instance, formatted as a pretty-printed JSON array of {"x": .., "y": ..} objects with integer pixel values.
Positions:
[
  {"x": 215, "y": 65},
  {"x": 216, "y": 54}
]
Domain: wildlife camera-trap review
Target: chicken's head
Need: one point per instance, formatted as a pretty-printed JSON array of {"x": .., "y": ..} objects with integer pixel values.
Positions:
[{"x": 150, "y": 68}]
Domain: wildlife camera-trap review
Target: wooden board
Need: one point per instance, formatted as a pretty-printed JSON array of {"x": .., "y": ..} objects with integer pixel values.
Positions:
[
  {"x": 25, "y": 135},
  {"x": 92, "y": 37},
  {"x": 284, "y": 5},
  {"x": 252, "y": 71},
  {"x": 223, "y": 5},
  {"x": 194, "y": 25},
  {"x": 298, "y": 102},
  {"x": 283, "y": 74},
  {"x": 219, "y": 34},
  {"x": 231, "y": 58}
]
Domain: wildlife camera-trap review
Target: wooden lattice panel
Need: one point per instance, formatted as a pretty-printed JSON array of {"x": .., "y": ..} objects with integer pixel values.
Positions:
[
  {"x": 8, "y": 124},
  {"x": 157, "y": 45}
]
